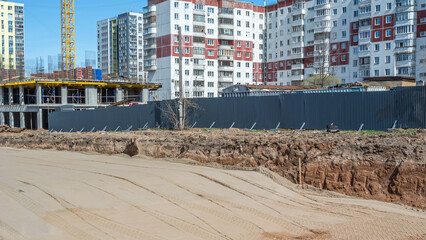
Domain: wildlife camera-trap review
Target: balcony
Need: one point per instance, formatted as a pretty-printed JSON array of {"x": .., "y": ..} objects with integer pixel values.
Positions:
[
  {"x": 364, "y": 15},
  {"x": 228, "y": 79},
  {"x": 226, "y": 12},
  {"x": 405, "y": 8},
  {"x": 300, "y": 77},
  {"x": 151, "y": 24},
  {"x": 225, "y": 57},
  {"x": 322, "y": 6},
  {"x": 299, "y": 11},
  {"x": 149, "y": 46},
  {"x": 322, "y": 29},
  {"x": 150, "y": 68},
  {"x": 226, "y": 68},
  {"x": 322, "y": 18},
  {"x": 149, "y": 14},
  {"x": 408, "y": 63},
  {"x": 297, "y": 55},
  {"x": 199, "y": 66},
  {"x": 405, "y": 49},
  {"x": 298, "y": 22},
  {"x": 364, "y": 2},
  {"x": 226, "y": 36},
  {"x": 364, "y": 53},
  {"x": 298, "y": 34},
  {"x": 297, "y": 66}
]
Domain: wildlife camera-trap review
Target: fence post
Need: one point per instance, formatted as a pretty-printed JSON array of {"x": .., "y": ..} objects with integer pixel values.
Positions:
[
  {"x": 116, "y": 129},
  {"x": 302, "y": 127},
  {"x": 212, "y": 125},
  {"x": 193, "y": 125},
  {"x": 232, "y": 125},
  {"x": 360, "y": 127},
  {"x": 253, "y": 126}
]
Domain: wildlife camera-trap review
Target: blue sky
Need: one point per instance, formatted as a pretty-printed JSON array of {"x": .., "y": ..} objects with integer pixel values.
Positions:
[{"x": 42, "y": 24}]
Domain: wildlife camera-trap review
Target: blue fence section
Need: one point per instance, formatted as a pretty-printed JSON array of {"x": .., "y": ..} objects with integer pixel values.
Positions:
[{"x": 349, "y": 110}]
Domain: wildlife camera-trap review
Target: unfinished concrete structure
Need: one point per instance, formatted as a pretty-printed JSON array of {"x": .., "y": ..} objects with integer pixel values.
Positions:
[{"x": 27, "y": 104}]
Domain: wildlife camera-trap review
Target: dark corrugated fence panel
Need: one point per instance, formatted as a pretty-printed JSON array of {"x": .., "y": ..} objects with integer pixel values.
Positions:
[{"x": 376, "y": 110}]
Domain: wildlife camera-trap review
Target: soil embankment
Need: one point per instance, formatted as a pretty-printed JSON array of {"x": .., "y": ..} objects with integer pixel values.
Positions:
[{"x": 387, "y": 167}]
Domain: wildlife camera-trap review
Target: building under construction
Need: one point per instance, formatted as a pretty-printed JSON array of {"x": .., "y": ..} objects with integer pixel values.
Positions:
[{"x": 27, "y": 103}]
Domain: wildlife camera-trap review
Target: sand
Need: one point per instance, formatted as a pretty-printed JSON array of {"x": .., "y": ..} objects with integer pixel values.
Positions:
[{"x": 68, "y": 195}]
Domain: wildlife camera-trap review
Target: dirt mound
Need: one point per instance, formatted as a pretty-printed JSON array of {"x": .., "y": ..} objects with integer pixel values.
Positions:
[
  {"x": 5, "y": 128},
  {"x": 387, "y": 167}
]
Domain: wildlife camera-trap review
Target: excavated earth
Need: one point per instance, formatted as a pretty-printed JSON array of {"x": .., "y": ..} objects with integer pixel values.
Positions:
[{"x": 388, "y": 167}]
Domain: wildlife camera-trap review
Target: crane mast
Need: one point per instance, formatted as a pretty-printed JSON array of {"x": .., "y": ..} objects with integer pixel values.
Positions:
[{"x": 67, "y": 34}]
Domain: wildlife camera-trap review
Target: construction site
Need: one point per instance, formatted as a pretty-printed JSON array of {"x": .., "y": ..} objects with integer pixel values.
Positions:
[{"x": 79, "y": 161}]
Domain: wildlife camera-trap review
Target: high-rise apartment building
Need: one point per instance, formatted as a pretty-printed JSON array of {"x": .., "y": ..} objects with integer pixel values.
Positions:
[
  {"x": 120, "y": 45},
  {"x": 12, "y": 36},
  {"x": 230, "y": 42},
  {"x": 107, "y": 46},
  {"x": 223, "y": 45}
]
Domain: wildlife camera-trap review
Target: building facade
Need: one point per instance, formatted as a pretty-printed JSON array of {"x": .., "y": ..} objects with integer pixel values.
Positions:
[
  {"x": 222, "y": 45},
  {"x": 120, "y": 46},
  {"x": 12, "y": 36},
  {"x": 230, "y": 42}
]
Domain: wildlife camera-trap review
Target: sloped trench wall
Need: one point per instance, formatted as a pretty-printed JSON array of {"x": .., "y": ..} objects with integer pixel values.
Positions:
[{"x": 386, "y": 167}]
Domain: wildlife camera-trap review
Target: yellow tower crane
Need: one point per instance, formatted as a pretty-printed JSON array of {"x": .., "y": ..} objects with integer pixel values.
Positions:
[{"x": 68, "y": 34}]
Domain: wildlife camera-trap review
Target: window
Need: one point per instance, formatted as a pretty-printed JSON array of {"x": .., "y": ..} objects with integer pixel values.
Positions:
[
  {"x": 247, "y": 44},
  {"x": 176, "y": 4},
  {"x": 186, "y": 17},
  {"x": 343, "y": 58},
  {"x": 186, "y": 5},
  {"x": 210, "y": 20},
  {"x": 238, "y": 54},
  {"x": 344, "y": 9},
  {"x": 343, "y": 34},
  {"x": 388, "y": 46},
  {"x": 187, "y": 72},
  {"x": 355, "y": 74},
  {"x": 210, "y": 63},
  {"x": 377, "y": 21},
  {"x": 377, "y": 47},
  {"x": 247, "y": 55},
  {"x": 355, "y": 63},
  {"x": 210, "y": 73},
  {"x": 387, "y": 72},
  {"x": 176, "y": 49},
  {"x": 388, "y": 19},
  {"x": 186, "y": 39},
  {"x": 405, "y": 29},
  {"x": 377, "y": 8},
  {"x": 210, "y": 84},
  {"x": 376, "y": 73},
  {"x": 388, "y": 6},
  {"x": 377, "y": 34},
  {"x": 238, "y": 23},
  {"x": 334, "y": 11},
  {"x": 210, "y": 42},
  {"x": 186, "y": 28},
  {"x": 176, "y": 16},
  {"x": 210, "y": 53},
  {"x": 376, "y": 60},
  {"x": 210, "y": 31},
  {"x": 343, "y": 22},
  {"x": 210, "y": 10},
  {"x": 186, "y": 50},
  {"x": 388, "y": 32},
  {"x": 388, "y": 59},
  {"x": 343, "y": 45},
  {"x": 423, "y": 34},
  {"x": 355, "y": 13}
]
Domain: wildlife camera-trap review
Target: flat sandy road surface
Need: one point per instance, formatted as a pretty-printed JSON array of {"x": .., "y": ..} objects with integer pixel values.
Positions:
[{"x": 65, "y": 195}]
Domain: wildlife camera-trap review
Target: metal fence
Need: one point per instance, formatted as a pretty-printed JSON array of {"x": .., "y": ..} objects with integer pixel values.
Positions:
[{"x": 402, "y": 108}]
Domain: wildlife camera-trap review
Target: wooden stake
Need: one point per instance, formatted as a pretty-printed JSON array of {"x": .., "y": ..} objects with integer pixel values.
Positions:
[{"x": 300, "y": 172}]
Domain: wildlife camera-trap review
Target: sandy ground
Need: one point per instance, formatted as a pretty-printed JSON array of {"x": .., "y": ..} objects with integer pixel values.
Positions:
[{"x": 66, "y": 195}]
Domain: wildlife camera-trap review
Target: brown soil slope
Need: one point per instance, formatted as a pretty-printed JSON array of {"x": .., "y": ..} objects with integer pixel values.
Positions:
[{"x": 387, "y": 167}]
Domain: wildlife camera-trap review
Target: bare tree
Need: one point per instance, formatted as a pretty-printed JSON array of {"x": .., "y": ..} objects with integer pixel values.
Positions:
[
  {"x": 322, "y": 58},
  {"x": 170, "y": 111}
]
